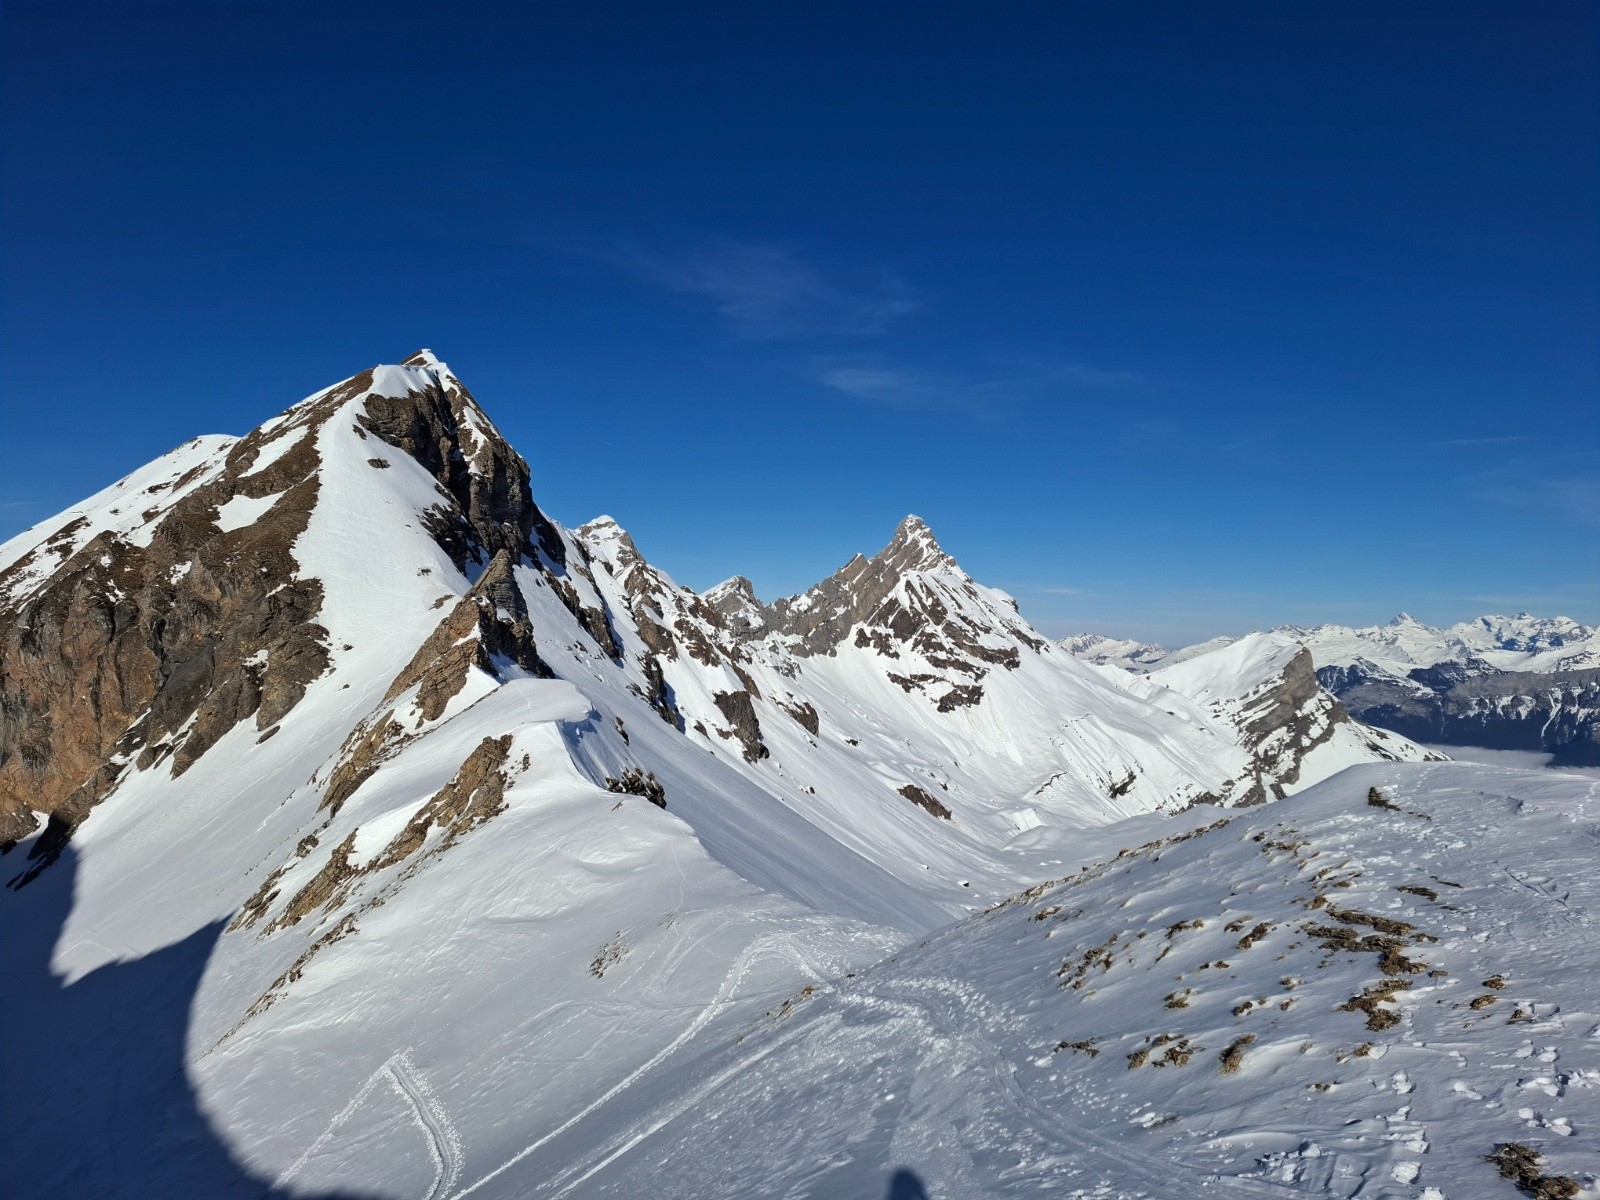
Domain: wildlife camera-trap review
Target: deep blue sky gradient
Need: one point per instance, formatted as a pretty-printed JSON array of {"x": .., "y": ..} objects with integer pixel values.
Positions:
[{"x": 1171, "y": 319}]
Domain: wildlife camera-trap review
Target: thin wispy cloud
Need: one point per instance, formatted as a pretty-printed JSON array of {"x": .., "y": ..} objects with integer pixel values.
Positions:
[
  {"x": 1565, "y": 486},
  {"x": 1575, "y": 499},
  {"x": 770, "y": 292},
  {"x": 879, "y": 381},
  {"x": 1482, "y": 441}
]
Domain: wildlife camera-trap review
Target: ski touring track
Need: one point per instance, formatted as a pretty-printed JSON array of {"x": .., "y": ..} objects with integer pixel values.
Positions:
[
  {"x": 948, "y": 1013},
  {"x": 769, "y": 944},
  {"x": 427, "y": 1113}
]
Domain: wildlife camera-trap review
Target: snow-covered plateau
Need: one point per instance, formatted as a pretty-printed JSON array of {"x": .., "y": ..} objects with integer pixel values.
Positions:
[{"x": 370, "y": 834}]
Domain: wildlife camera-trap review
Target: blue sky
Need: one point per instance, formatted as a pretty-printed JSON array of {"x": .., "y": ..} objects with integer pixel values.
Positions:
[{"x": 1171, "y": 319}]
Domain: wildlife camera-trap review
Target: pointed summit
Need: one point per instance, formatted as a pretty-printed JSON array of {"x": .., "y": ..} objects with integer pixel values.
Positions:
[
  {"x": 913, "y": 548},
  {"x": 736, "y": 602},
  {"x": 423, "y": 358}
]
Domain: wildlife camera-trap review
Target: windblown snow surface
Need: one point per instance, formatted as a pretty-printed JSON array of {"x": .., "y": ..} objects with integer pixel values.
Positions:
[
  {"x": 392, "y": 948},
  {"x": 1346, "y": 993}
]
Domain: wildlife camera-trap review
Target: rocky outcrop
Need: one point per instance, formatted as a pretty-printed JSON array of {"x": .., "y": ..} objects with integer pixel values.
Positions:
[
  {"x": 147, "y": 650},
  {"x": 441, "y": 426},
  {"x": 740, "y": 609},
  {"x": 635, "y": 781},
  {"x": 488, "y": 629},
  {"x": 740, "y": 713},
  {"x": 821, "y": 618},
  {"x": 1283, "y": 723},
  {"x": 474, "y": 795},
  {"x": 925, "y": 801}
]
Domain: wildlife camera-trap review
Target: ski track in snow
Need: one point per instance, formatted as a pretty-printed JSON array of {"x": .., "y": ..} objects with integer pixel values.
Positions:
[
  {"x": 720, "y": 1001},
  {"x": 427, "y": 1113}
]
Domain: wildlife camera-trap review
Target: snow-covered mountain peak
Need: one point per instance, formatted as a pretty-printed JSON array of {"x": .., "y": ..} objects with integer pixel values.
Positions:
[
  {"x": 914, "y": 548},
  {"x": 423, "y": 358},
  {"x": 326, "y": 657},
  {"x": 609, "y": 541}
]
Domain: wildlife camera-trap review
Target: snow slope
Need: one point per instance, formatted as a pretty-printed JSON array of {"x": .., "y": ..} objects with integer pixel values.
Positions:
[{"x": 1327, "y": 997}]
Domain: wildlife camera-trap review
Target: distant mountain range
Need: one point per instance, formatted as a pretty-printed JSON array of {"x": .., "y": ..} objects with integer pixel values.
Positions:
[{"x": 1509, "y": 683}]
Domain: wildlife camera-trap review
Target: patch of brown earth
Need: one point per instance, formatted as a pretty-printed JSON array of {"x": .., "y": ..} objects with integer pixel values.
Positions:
[{"x": 1520, "y": 1164}]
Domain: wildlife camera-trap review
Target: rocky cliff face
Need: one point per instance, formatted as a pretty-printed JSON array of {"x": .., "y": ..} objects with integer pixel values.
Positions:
[{"x": 146, "y": 641}]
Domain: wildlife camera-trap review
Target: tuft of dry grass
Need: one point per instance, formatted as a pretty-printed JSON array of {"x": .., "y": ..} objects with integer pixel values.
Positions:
[
  {"x": 1233, "y": 1057},
  {"x": 1520, "y": 1164}
]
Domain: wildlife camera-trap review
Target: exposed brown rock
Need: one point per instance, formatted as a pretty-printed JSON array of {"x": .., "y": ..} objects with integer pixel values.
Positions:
[
  {"x": 473, "y": 796},
  {"x": 806, "y": 714},
  {"x": 925, "y": 801},
  {"x": 365, "y": 750},
  {"x": 490, "y": 622},
  {"x": 487, "y": 480},
  {"x": 1294, "y": 709},
  {"x": 142, "y": 653}
]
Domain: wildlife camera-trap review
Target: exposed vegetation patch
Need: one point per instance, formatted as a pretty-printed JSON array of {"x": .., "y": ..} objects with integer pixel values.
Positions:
[
  {"x": 1369, "y": 1001},
  {"x": 1233, "y": 1057},
  {"x": 1087, "y": 1047},
  {"x": 1175, "y": 1050},
  {"x": 1426, "y": 893},
  {"x": 1098, "y": 958},
  {"x": 1520, "y": 1164},
  {"x": 1255, "y": 935}
]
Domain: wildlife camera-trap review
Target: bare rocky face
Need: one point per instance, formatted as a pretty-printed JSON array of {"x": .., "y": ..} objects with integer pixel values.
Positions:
[{"x": 133, "y": 653}]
